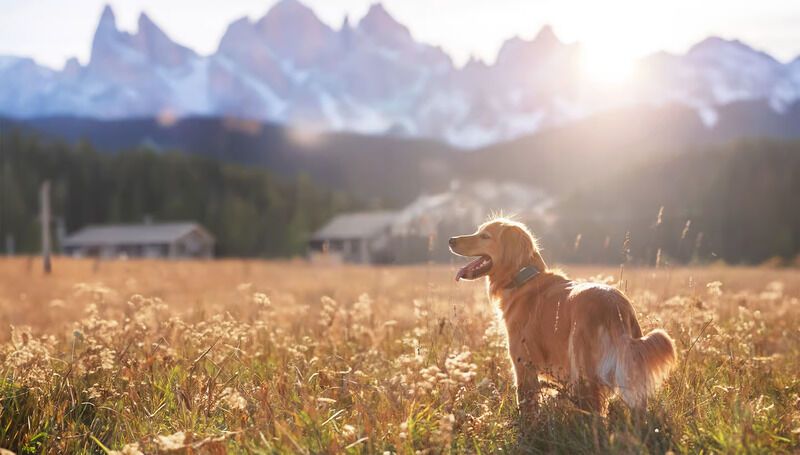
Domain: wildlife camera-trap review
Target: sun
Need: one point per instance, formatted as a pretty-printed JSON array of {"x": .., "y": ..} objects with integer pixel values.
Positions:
[{"x": 607, "y": 65}]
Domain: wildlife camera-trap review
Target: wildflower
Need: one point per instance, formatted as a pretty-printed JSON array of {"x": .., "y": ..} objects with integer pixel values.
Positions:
[
  {"x": 232, "y": 399},
  {"x": 261, "y": 299},
  {"x": 459, "y": 368},
  {"x": 761, "y": 407},
  {"x": 421, "y": 317},
  {"x": 348, "y": 431},
  {"x": 444, "y": 433},
  {"x": 107, "y": 359},
  {"x": 361, "y": 315},
  {"x": 419, "y": 312},
  {"x": 431, "y": 376},
  {"x": 362, "y": 309},
  {"x": 28, "y": 357},
  {"x": 94, "y": 392},
  {"x": 174, "y": 441},
  {"x": 329, "y": 309},
  {"x": 495, "y": 334},
  {"x": 475, "y": 422},
  {"x": 403, "y": 430},
  {"x": 127, "y": 449},
  {"x": 773, "y": 291},
  {"x": 714, "y": 288}
]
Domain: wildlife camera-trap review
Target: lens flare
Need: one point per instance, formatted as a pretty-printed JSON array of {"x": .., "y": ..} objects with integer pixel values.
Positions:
[{"x": 607, "y": 65}]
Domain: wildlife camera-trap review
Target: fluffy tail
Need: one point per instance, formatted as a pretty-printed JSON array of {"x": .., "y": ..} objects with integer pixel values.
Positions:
[{"x": 644, "y": 365}]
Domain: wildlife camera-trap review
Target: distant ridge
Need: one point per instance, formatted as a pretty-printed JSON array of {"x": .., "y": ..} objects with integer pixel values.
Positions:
[{"x": 373, "y": 77}]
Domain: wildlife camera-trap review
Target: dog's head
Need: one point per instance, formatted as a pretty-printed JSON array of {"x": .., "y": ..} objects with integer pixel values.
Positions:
[{"x": 501, "y": 248}]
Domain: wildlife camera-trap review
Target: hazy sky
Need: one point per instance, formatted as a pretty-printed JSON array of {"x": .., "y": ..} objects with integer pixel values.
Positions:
[{"x": 53, "y": 30}]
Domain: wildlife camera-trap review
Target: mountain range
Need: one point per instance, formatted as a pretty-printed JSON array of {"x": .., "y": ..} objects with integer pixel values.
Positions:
[{"x": 373, "y": 77}]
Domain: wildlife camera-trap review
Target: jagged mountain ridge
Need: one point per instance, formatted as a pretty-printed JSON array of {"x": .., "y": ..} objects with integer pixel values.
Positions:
[{"x": 374, "y": 77}]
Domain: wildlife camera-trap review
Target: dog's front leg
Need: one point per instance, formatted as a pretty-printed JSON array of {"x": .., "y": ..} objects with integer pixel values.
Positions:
[{"x": 527, "y": 379}]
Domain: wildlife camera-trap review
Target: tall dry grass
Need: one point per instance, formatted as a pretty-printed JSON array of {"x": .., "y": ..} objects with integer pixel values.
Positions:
[{"x": 265, "y": 357}]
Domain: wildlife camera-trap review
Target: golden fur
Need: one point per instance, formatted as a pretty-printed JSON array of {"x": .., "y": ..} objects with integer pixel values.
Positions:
[{"x": 584, "y": 335}]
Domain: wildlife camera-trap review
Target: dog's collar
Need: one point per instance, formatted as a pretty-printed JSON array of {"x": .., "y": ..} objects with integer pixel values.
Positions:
[{"x": 522, "y": 277}]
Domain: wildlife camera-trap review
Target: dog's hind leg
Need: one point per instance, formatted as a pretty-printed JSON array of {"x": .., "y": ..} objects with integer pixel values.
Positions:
[{"x": 591, "y": 395}]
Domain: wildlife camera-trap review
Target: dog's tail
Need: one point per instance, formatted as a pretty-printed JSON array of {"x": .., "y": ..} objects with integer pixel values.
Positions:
[{"x": 643, "y": 365}]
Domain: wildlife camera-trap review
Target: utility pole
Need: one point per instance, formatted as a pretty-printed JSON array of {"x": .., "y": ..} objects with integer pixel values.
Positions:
[
  {"x": 3, "y": 190},
  {"x": 44, "y": 203}
]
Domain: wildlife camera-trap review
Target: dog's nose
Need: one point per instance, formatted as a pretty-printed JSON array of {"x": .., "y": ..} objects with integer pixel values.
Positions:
[{"x": 452, "y": 241}]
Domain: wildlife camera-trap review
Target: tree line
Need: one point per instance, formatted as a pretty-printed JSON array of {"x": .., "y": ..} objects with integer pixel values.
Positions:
[
  {"x": 736, "y": 202},
  {"x": 250, "y": 211}
]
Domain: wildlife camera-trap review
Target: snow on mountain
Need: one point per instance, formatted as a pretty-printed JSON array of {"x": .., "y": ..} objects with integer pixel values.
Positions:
[
  {"x": 717, "y": 72},
  {"x": 720, "y": 72},
  {"x": 24, "y": 86},
  {"x": 787, "y": 90},
  {"x": 529, "y": 87},
  {"x": 374, "y": 77}
]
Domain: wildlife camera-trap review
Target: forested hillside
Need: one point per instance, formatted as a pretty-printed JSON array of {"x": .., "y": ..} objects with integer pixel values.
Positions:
[
  {"x": 388, "y": 169},
  {"x": 250, "y": 211},
  {"x": 739, "y": 203},
  {"x": 736, "y": 202}
]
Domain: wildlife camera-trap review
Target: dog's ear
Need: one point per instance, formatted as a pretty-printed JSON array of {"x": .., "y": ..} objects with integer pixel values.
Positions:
[
  {"x": 519, "y": 249},
  {"x": 517, "y": 246}
]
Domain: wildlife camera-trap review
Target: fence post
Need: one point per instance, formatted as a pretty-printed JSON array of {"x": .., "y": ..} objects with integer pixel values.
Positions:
[{"x": 44, "y": 202}]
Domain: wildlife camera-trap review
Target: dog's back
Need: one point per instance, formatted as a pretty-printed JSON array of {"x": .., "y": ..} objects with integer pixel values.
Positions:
[
  {"x": 606, "y": 344},
  {"x": 587, "y": 334}
]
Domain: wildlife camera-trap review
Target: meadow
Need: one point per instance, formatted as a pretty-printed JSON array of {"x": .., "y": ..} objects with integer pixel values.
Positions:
[{"x": 286, "y": 357}]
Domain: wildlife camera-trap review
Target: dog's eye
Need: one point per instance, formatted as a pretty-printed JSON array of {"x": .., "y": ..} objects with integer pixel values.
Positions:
[{"x": 484, "y": 236}]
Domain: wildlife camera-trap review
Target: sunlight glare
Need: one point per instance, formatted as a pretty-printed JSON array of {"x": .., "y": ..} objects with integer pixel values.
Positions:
[{"x": 607, "y": 65}]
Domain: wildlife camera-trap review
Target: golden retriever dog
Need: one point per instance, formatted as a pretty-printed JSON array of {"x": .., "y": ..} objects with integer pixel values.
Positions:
[{"x": 583, "y": 335}]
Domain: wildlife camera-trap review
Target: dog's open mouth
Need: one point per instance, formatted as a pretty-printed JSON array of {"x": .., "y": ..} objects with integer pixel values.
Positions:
[{"x": 475, "y": 269}]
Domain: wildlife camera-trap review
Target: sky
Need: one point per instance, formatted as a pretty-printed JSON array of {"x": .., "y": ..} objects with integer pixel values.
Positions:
[{"x": 51, "y": 31}]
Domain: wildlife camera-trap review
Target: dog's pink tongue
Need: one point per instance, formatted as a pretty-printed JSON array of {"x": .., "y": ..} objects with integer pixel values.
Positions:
[{"x": 466, "y": 271}]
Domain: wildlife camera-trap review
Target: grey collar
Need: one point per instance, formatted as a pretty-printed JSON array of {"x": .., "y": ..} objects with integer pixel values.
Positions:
[{"x": 523, "y": 276}]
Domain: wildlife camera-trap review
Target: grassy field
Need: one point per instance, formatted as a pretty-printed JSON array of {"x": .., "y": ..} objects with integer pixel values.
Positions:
[{"x": 266, "y": 357}]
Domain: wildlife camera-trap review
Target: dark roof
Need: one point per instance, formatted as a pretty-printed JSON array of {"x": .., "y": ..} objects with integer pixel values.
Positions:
[
  {"x": 127, "y": 234},
  {"x": 355, "y": 225}
]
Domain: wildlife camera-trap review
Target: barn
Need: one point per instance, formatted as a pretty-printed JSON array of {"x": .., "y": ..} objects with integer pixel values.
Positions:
[
  {"x": 360, "y": 237},
  {"x": 147, "y": 240}
]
